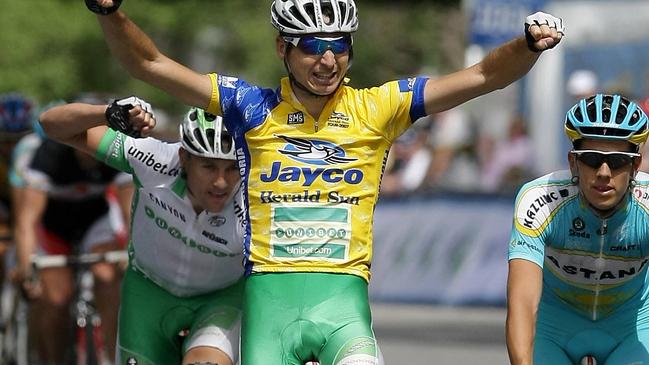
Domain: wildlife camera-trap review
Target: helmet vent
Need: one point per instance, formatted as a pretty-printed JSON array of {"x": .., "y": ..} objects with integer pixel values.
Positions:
[
  {"x": 344, "y": 13},
  {"x": 310, "y": 12},
  {"x": 209, "y": 134},
  {"x": 188, "y": 144},
  {"x": 634, "y": 118},
  {"x": 578, "y": 114},
  {"x": 591, "y": 112},
  {"x": 199, "y": 138},
  {"x": 606, "y": 116},
  {"x": 226, "y": 142},
  {"x": 209, "y": 117},
  {"x": 327, "y": 13}
]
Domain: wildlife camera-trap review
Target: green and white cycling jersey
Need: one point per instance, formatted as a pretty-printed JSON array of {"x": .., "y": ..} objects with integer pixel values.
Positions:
[{"x": 185, "y": 253}]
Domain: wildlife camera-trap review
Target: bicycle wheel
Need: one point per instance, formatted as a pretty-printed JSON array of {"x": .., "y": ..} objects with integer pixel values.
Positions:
[
  {"x": 89, "y": 343},
  {"x": 14, "y": 349}
]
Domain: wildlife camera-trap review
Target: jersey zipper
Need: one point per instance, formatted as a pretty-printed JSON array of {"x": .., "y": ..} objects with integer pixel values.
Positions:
[
  {"x": 600, "y": 262},
  {"x": 316, "y": 125}
]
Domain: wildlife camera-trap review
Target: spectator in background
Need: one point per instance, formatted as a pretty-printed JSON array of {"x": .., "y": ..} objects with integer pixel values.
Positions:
[
  {"x": 644, "y": 104},
  {"x": 581, "y": 84},
  {"x": 408, "y": 162},
  {"x": 508, "y": 167},
  {"x": 454, "y": 165}
]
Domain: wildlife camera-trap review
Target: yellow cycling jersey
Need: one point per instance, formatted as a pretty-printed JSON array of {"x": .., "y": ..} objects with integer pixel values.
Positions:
[{"x": 312, "y": 185}]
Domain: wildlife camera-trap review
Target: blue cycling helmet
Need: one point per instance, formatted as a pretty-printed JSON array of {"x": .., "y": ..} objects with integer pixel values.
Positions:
[
  {"x": 604, "y": 116},
  {"x": 16, "y": 114}
]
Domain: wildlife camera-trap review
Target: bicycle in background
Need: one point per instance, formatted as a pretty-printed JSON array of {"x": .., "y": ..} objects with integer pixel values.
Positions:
[{"x": 88, "y": 342}]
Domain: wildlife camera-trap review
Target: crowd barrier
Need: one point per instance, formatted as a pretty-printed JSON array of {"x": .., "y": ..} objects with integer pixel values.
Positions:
[{"x": 441, "y": 250}]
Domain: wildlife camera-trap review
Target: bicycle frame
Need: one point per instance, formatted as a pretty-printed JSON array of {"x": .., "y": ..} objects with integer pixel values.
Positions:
[{"x": 88, "y": 346}]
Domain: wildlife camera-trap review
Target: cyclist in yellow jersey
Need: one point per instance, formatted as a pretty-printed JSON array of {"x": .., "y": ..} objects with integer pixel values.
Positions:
[{"x": 311, "y": 156}]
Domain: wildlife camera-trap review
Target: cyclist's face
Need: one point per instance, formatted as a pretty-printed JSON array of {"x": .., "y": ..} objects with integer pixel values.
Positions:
[
  {"x": 210, "y": 181},
  {"x": 603, "y": 187},
  {"x": 321, "y": 74}
]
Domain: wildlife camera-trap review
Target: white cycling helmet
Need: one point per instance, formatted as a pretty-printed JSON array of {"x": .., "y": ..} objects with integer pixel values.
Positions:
[
  {"x": 314, "y": 16},
  {"x": 203, "y": 134}
]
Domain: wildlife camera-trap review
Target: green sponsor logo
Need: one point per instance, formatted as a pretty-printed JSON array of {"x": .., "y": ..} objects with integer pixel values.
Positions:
[
  {"x": 332, "y": 251},
  {"x": 310, "y": 232},
  {"x": 311, "y": 214},
  {"x": 176, "y": 233}
]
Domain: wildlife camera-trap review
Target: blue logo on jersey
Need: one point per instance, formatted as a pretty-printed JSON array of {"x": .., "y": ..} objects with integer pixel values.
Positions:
[
  {"x": 313, "y": 151},
  {"x": 407, "y": 85}
]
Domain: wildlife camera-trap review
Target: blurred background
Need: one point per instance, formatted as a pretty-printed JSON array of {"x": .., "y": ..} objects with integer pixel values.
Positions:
[{"x": 443, "y": 220}]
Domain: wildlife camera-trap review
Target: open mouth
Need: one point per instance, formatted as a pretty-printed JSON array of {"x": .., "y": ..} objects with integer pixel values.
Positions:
[
  {"x": 324, "y": 78},
  {"x": 217, "y": 195}
]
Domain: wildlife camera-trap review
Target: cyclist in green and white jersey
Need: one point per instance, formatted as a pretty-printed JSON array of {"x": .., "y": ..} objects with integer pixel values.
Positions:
[{"x": 181, "y": 295}]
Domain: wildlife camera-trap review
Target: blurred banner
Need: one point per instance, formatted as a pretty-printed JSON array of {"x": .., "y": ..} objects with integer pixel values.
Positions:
[
  {"x": 496, "y": 21},
  {"x": 441, "y": 250}
]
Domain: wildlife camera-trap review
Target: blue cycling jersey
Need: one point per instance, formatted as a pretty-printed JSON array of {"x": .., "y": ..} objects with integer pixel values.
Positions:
[{"x": 595, "y": 267}]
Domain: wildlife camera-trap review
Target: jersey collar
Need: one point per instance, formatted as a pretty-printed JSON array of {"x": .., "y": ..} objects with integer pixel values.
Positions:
[
  {"x": 288, "y": 96},
  {"x": 179, "y": 186}
]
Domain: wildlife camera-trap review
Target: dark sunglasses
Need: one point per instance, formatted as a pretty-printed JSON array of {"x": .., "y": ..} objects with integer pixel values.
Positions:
[
  {"x": 615, "y": 160},
  {"x": 319, "y": 45}
]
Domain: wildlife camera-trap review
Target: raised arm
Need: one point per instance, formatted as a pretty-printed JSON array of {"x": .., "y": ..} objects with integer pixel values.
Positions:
[
  {"x": 82, "y": 126},
  {"x": 499, "y": 68},
  {"x": 523, "y": 295},
  {"x": 138, "y": 54}
]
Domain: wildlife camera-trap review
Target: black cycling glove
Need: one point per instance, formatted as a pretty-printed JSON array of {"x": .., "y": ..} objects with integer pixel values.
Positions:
[
  {"x": 95, "y": 8},
  {"x": 118, "y": 118}
]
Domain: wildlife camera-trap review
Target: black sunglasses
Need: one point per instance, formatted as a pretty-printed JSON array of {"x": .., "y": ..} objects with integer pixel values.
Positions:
[{"x": 615, "y": 160}]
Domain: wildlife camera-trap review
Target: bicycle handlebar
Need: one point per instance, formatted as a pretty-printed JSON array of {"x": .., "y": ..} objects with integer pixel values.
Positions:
[{"x": 51, "y": 261}]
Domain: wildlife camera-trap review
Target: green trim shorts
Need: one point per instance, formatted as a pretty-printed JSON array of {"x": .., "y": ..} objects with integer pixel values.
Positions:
[
  {"x": 292, "y": 318},
  {"x": 158, "y": 328}
]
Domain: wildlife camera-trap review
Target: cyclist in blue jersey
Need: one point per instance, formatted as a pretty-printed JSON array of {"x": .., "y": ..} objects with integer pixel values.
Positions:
[
  {"x": 16, "y": 120},
  {"x": 181, "y": 294},
  {"x": 311, "y": 153},
  {"x": 578, "y": 281}
]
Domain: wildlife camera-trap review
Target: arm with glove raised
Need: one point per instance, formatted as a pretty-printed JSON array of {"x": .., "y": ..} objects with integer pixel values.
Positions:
[{"x": 82, "y": 126}]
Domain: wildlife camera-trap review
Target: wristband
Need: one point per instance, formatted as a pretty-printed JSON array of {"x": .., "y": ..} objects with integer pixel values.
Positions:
[{"x": 95, "y": 8}]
